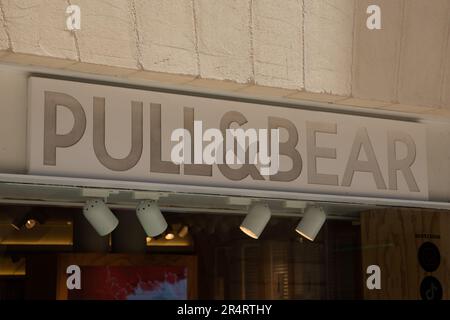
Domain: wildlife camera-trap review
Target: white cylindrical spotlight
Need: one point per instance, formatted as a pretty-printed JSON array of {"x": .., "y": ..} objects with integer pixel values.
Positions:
[
  {"x": 151, "y": 218},
  {"x": 311, "y": 223},
  {"x": 100, "y": 217},
  {"x": 256, "y": 220}
]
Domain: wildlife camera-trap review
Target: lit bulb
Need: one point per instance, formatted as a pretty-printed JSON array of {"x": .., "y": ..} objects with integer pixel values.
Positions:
[
  {"x": 169, "y": 236},
  {"x": 30, "y": 224}
]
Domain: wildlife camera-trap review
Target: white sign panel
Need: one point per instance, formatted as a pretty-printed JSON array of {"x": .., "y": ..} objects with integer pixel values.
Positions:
[{"x": 96, "y": 131}]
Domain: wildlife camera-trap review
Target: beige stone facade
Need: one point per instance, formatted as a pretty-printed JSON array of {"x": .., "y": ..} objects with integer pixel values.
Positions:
[{"x": 313, "y": 50}]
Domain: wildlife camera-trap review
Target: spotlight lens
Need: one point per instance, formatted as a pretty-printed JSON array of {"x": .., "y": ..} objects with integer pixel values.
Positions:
[
  {"x": 30, "y": 224},
  {"x": 311, "y": 223},
  {"x": 169, "y": 236},
  {"x": 304, "y": 235},
  {"x": 248, "y": 232},
  {"x": 256, "y": 220}
]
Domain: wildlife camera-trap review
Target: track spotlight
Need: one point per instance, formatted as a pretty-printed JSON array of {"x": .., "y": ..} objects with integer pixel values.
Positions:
[
  {"x": 257, "y": 218},
  {"x": 151, "y": 218},
  {"x": 100, "y": 217},
  {"x": 311, "y": 223}
]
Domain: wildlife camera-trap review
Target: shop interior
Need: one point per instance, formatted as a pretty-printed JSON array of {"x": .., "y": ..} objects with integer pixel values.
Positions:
[{"x": 43, "y": 230}]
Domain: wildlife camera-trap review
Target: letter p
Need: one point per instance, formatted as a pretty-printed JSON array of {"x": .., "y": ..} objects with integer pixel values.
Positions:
[{"x": 52, "y": 140}]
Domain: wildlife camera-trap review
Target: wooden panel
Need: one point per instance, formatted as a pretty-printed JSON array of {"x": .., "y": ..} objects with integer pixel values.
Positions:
[
  {"x": 95, "y": 259},
  {"x": 444, "y": 248},
  {"x": 391, "y": 239}
]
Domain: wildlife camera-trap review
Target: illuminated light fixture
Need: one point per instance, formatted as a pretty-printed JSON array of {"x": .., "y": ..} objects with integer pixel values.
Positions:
[
  {"x": 29, "y": 221},
  {"x": 183, "y": 231},
  {"x": 311, "y": 223},
  {"x": 151, "y": 218},
  {"x": 99, "y": 216},
  {"x": 256, "y": 220},
  {"x": 170, "y": 235}
]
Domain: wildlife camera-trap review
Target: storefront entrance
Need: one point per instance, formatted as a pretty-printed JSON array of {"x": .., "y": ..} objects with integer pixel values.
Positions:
[{"x": 208, "y": 250}]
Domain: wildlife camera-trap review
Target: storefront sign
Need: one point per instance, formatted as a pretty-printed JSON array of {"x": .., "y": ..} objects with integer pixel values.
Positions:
[{"x": 96, "y": 131}]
